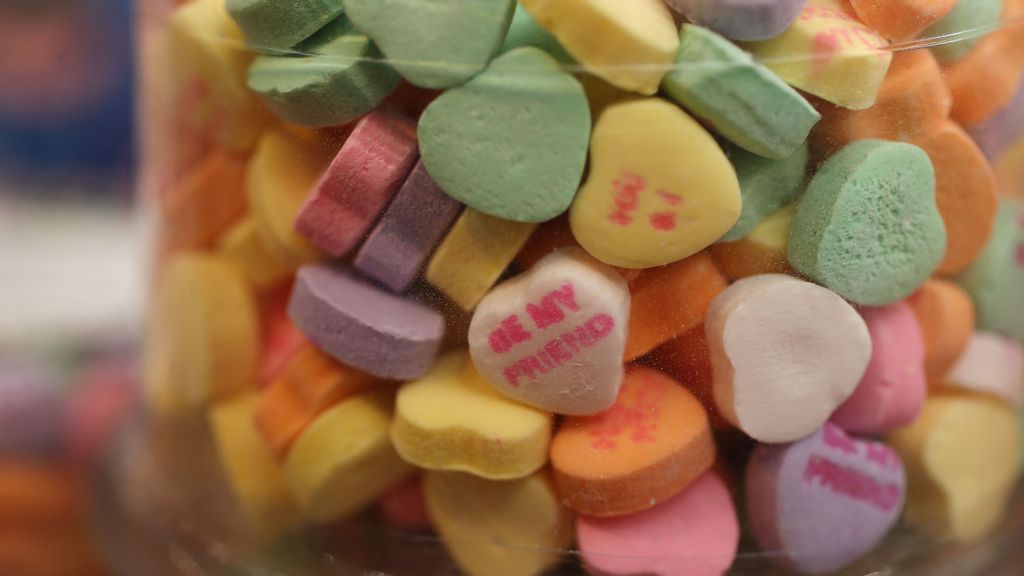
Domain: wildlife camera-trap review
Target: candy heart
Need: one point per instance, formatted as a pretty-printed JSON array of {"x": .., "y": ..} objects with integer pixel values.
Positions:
[
  {"x": 820, "y": 504},
  {"x": 554, "y": 336},
  {"x": 991, "y": 364},
  {"x": 267, "y": 25},
  {"x": 946, "y": 315},
  {"x": 767, "y": 186},
  {"x": 434, "y": 44},
  {"x": 965, "y": 15},
  {"x": 785, "y": 353},
  {"x": 660, "y": 188},
  {"x": 902, "y": 20},
  {"x": 763, "y": 251},
  {"x": 511, "y": 142},
  {"x": 995, "y": 280},
  {"x": 741, "y": 19},
  {"x": 524, "y": 31}
]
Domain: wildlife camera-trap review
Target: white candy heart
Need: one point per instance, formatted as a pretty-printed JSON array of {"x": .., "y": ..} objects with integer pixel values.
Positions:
[{"x": 554, "y": 336}]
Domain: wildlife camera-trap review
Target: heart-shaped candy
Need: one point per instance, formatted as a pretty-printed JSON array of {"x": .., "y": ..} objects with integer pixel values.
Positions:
[
  {"x": 819, "y": 504},
  {"x": 553, "y": 337},
  {"x": 741, "y": 19}
]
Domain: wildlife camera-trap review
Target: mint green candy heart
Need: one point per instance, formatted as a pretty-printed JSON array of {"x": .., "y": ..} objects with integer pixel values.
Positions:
[
  {"x": 995, "y": 280},
  {"x": 767, "y": 186},
  {"x": 268, "y": 24},
  {"x": 868, "y": 227},
  {"x": 742, "y": 100},
  {"x": 964, "y": 27},
  {"x": 435, "y": 43},
  {"x": 332, "y": 78},
  {"x": 511, "y": 142},
  {"x": 524, "y": 31}
]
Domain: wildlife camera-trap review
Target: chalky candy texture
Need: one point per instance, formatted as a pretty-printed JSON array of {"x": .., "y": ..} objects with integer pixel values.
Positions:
[
  {"x": 901, "y": 20},
  {"x": 553, "y": 337},
  {"x": 819, "y": 504},
  {"x": 999, "y": 133},
  {"x": 868, "y": 226},
  {"x": 741, "y": 99},
  {"x": 408, "y": 232},
  {"x": 694, "y": 533},
  {"x": 363, "y": 326},
  {"x": 511, "y": 142},
  {"x": 360, "y": 181},
  {"x": 741, "y": 19},
  {"x": 767, "y": 186},
  {"x": 992, "y": 365},
  {"x": 965, "y": 21},
  {"x": 996, "y": 279},
  {"x": 434, "y": 44},
  {"x": 332, "y": 78},
  {"x": 524, "y": 31},
  {"x": 946, "y": 316},
  {"x": 274, "y": 24},
  {"x": 31, "y": 410}
]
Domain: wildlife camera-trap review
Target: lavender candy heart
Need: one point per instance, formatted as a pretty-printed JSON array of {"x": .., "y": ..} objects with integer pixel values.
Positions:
[
  {"x": 32, "y": 413},
  {"x": 408, "y": 232},
  {"x": 364, "y": 326},
  {"x": 999, "y": 133},
  {"x": 741, "y": 19},
  {"x": 819, "y": 504}
]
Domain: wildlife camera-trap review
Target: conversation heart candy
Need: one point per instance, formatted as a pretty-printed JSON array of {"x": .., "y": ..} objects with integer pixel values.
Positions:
[
  {"x": 524, "y": 31},
  {"x": 946, "y": 316},
  {"x": 991, "y": 364},
  {"x": 452, "y": 419},
  {"x": 965, "y": 17},
  {"x": 868, "y": 226},
  {"x": 629, "y": 43},
  {"x": 1000, "y": 133},
  {"x": 660, "y": 188},
  {"x": 553, "y": 337},
  {"x": 364, "y": 326},
  {"x": 766, "y": 186},
  {"x": 267, "y": 26},
  {"x": 198, "y": 210},
  {"x": 243, "y": 245},
  {"x": 893, "y": 388},
  {"x": 498, "y": 528},
  {"x": 523, "y": 113},
  {"x": 652, "y": 443},
  {"x": 741, "y": 19},
  {"x": 686, "y": 359},
  {"x": 763, "y": 251},
  {"x": 434, "y": 44},
  {"x": 360, "y": 181},
  {"x": 739, "y": 98},
  {"x": 408, "y": 232},
  {"x": 963, "y": 456},
  {"x": 344, "y": 460},
  {"x": 785, "y": 354},
  {"x": 819, "y": 504},
  {"x": 330, "y": 79},
  {"x": 694, "y": 533},
  {"x": 984, "y": 81},
  {"x": 827, "y": 52},
  {"x": 995, "y": 280},
  {"x": 901, "y": 20},
  {"x": 405, "y": 506}
]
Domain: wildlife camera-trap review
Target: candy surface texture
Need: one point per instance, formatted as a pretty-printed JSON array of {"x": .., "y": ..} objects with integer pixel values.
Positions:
[{"x": 741, "y": 19}]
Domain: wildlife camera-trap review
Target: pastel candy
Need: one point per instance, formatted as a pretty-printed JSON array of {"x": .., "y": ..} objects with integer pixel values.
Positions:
[
  {"x": 985, "y": 80},
  {"x": 995, "y": 280},
  {"x": 32, "y": 410},
  {"x": 763, "y": 251},
  {"x": 522, "y": 113},
  {"x": 452, "y": 419},
  {"x": 330, "y": 79},
  {"x": 946, "y": 316},
  {"x": 901, "y": 20},
  {"x": 966, "y": 17},
  {"x": 200, "y": 207},
  {"x": 525, "y": 32},
  {"x": 629, "y": 43},
  {"x": 821, "y": 503},
  {"x": 739, "y": 98},
  {"x": 267, "y": 26},
  {"x": 785, "y": 354},
  {"x": 868, "y": 226},
  {"x": 359, "y": 183},
  {"x": 827, "y": 52},
  {"x": 660, "y": 188},
  {"x": 741, "y": 19},
  {"x": 694, "y": 533},
  {"x": 507, "y": 528},
  {"x": 363, "y": 326},
  {"x": 243, "y": 245},
  {"x": 474, "y": 254},
  {"x": 411, "y": 228},
  {"x": 344, "y": 460},
  {"x": 434, "y": 44},
  {"x": 963, "y": 459},
  {"x": 653, "y": 443},
  {"x": 991, "y": 364},
  {"x": 893, "y": 389},
  {"x": 766, "y": 186},
  {"x": 1000, "y": 133},
  {"x": 553, "y": 337},
  {"x": 405, "y": 506},
  {"x": 255, "y": 477},
  {"x": 203, "y": 342}
]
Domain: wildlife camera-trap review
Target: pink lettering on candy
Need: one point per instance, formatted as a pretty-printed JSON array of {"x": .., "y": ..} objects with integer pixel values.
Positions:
[
  {"x": 852, "y": 483},
  {"x": 560, "y": 350}
]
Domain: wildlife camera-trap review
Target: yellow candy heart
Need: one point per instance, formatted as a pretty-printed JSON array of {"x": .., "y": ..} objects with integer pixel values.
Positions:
[
  {"x": 660, "y": 188},
  {"x": 508, "y": 528},
  {"x": 243, "y": 246},
  {"x": 453, "y": 419}
]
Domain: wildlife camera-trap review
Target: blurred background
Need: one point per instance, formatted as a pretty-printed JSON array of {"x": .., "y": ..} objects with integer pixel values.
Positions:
[{"x": 70, "y": 270}]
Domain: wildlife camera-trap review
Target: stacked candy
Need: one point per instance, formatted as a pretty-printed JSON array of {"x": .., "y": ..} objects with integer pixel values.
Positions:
[{"x": 618, "y": 275}]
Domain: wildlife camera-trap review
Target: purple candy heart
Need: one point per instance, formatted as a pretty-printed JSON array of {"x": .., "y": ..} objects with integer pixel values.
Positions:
[
  {"x": 824, "y": 501},
  {"x": 996, "y": 135},
  {"x": 741, "y": 19}
]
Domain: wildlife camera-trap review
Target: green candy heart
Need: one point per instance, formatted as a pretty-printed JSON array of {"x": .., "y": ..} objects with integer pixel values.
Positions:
[
  {"x": 333, "y": 78},
  {"x": 741, "y": 99},
  {"x": 995, "y": 280},
  {"x": 969, "y": 20},
  {"x": 767, "y": 186},
  {"x": 511, "y": 142},
  {"x": 280, "y": 25},
  {"x": 524, "y": 31},
  {"x": 436, "y": 43},
  {"x": 868, "y": 227}
]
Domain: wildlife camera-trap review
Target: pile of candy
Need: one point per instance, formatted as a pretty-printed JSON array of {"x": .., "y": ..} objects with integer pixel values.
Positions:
[{"x": 612, "y": 275}]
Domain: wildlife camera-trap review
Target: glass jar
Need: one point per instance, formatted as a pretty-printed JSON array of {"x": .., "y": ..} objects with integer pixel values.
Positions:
[{"x": 810, "y": 261}]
